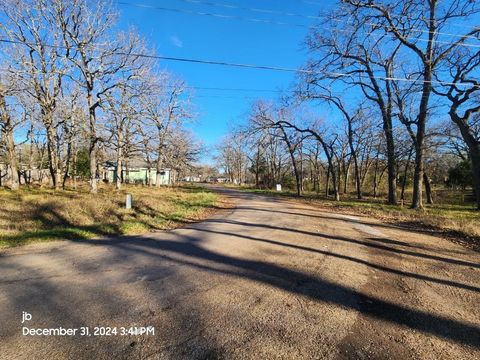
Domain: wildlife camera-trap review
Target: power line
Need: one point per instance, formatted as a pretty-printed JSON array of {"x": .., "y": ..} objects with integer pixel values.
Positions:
[
  {"x": 319, "y": 17},
  {"x": 378, "y": 36},
  {"x": 230, "y": 89},
  {"x": 221, "y": 16},
  {"x": 258, "y": 10},
  {"x": 270, "y": 11},
  {"x": 424, "y": 32},
  {"x": 396, "y": 17},
  {"x": 259, "y": 67}
]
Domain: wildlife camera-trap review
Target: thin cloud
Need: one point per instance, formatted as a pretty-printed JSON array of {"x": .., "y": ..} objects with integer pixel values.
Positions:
[{"x": 175, "y": 40}]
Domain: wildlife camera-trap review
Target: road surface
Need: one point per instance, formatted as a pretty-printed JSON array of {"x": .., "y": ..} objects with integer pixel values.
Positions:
[{"x": 268, "y": 279}]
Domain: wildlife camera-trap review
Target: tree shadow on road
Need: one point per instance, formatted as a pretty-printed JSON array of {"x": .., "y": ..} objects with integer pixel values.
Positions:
[
  {"x": 404, "y": 226},
  {"x": 187, "y": 251},
  {"x": 348, "y": 258},
  {"x": 349, "y": 240}
]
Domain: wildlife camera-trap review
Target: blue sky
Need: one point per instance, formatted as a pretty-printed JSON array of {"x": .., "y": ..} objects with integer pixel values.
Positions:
[{"x": 231, "y": 40}]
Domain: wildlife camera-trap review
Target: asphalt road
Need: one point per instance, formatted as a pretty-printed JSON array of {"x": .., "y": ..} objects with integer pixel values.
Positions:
[{"x": 267, "y": 279}]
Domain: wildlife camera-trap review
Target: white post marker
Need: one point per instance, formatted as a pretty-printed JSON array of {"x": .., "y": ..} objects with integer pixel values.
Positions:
[
  {"x": 128, "y": 201},
  {"x": 279, "y": 187}
]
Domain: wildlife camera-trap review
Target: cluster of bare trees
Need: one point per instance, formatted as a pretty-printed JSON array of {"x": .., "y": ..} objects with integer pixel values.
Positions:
[
  {"x": 74, "y": 90},
  {"x": 391, "y": 71}
]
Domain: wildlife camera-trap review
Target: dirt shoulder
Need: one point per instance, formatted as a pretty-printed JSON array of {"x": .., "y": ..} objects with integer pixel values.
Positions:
[
  {"x": 459, "y": 224},
  {"x": 433, "y": 279},
  {"x": 414, "y": 221}
]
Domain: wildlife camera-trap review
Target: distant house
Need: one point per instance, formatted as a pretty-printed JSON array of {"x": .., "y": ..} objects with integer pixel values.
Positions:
[
  {"x": 215, "y": 179},
  {"x": 25, "y": 175},
  {"x": 136, "y": 173},
  {"x": 192, "y": 179},
  {"x": 221, "y": 180}
]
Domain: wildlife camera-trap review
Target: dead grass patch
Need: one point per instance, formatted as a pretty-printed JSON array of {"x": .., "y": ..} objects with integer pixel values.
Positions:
[{"x": 33, "y": 214}]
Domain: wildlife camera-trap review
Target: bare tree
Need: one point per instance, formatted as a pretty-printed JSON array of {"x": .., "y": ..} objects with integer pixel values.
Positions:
[
  {"x": 355, "y": 59},
  {"x": 124, "y": 123},
  {"x": 98, "y": 58},
  {"x": 232, "y": 156},
  {"x": 292, "y": 141},
  {"x": 415, "y": 24},
  {"x": 37, "y": 64},
  {"x": 72, "y": 121},
  {"x": 182, "y": 151},
  {"x": 7, "y": 127},
  {"x": 166, "y": 106},
  {"x": 350, "y": 118},
  {"x": 463, "y": 94},
  {"x": 265, "y": 120},
  {"x": 263, "y": 117}
]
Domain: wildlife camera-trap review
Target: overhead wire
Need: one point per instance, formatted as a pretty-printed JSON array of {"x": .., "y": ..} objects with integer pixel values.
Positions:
[
  {"x": 258, "y": 10},
  {"x": 255, "y": 66},
  {"x": 270, "y": 11},
  {"x": 215, "y": 15}
]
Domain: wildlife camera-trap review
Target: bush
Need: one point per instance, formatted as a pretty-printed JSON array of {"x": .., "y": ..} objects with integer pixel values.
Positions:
[{"x": 461, "y": 175}]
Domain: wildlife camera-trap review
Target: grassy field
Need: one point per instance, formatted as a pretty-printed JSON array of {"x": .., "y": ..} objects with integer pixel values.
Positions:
[
  {"x": 36, "y": 214},
  {"x": 449, "y": 217}
]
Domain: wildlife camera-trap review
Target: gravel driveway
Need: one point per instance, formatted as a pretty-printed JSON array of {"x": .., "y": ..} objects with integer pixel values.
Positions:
[{"x": 270, "y": 278}]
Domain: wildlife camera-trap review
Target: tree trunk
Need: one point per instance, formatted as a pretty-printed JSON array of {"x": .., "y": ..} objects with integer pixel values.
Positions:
[
  {"x": 358, "y": 182},
  {"x": 475, "y": 156},
  {"x": 127, "y": 171},
  {"x": 148, "y": 179},
  {"x": 30, "y": 155},
  {"x": 92, "y": 150},
  {"x": 318, "y": 177},
  {"x": 417, "y": 199},
  {"x": 158, "y": 175},
  {"x": 291, "y": 151},
  {"x": 391, "y": 169},
  {"x": 375, "y": 179},
  {"x": 404, "y": 182},
  {"x": 67, "y": 167},
  {"x": 93, "y": 167},
  {"x": 297, "y": 175},
  {"x": 257, "y": 170},
  {"x": 12, "y": 159},
  {"x": 428, "y": 189},
  {"x": 118, "y": 182},
  {"x": 355, "y": 160},
  {"x": 74, "y": 166},
  {"x": 473, "y": 150},
  {"x": 417, "y": 202},
  {"x": 335, "y": 180},
  {"x": 7, "y": 129},
  {"x": 301, "y": 167},
  {"x": 336, "y": 183},
  {"x": 327, "y": 182},
  {"x": 346, "y": 171},
  {"x": 52, "y": 157}
]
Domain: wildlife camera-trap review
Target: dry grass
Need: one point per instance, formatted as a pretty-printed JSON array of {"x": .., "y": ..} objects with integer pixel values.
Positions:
[{"x": 40, "y": 214}]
